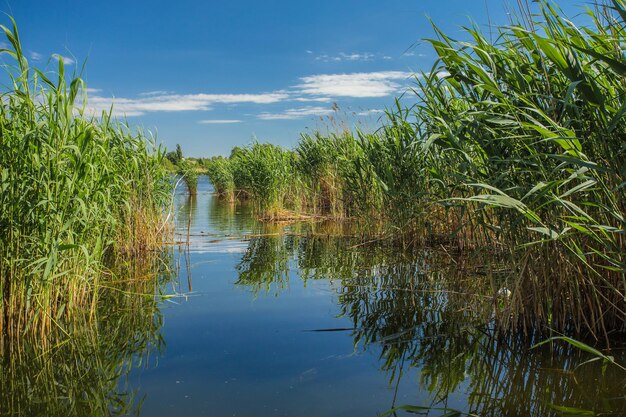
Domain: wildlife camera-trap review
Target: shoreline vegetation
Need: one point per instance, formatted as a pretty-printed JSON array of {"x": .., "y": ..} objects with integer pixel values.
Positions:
[
  {"x": 513, "y": 147},
  {"x": 512, "y": 155},
  {"x": 81, "y": 196}
]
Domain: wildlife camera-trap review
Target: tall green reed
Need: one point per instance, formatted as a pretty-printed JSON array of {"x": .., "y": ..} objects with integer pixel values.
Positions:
[
  {"x": 515, "y": 145},
  {"x": 527, "y": 136},
  {"x": 77, "y": 191}
]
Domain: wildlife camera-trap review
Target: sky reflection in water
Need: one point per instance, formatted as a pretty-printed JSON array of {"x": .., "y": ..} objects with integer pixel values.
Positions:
[{"x": 268, "y": 321}]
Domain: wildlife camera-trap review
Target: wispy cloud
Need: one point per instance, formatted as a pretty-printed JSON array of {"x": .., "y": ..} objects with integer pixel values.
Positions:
[
  {"x": 218, "y": 121},
  {"x": 175, "y": 102},
  {"x": 156, "y": 93},
  {"x": 413, "y": 53},
  {"x": 36, "y": 56},
  {"x": 66, "y": 60},
  {"x": 312, "y": 99},
  {"x": 342, "y": 56},
  {"x": 320, "y": 88},
  {"x": 91, "y": 91},
  {"x": 369, "y": 112},
  {"x": 358, "y": 85},
  {"x": 298, "y": 113}
]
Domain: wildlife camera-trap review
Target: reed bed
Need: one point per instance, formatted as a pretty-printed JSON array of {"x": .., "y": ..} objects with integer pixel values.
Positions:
[
  {"x": 77, "y": 192},
  {"x": 514, "y": 146}
]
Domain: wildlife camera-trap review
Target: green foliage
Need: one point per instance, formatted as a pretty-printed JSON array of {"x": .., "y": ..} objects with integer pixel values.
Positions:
[
  {"x": 597, "y": 355},
  {"x": 75, "y": 191},
  {"x": 175, "y": 157},
  {"x": 221, "y": 175},
  {"x": 189, "y": 172},
  {"x": 526, "y": 137},
  {"x": 168, "y": 165},
  {"x": 517, "y": 145},
  {"x": 264, "y": 172},
  {"x": 85, "y": 373},
  {"x": 329, "y": 177}
]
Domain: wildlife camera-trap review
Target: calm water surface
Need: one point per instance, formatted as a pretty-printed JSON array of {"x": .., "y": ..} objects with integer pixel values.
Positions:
[
  {"x": 293, "y": 320},
  {"x": 271, "y": 320}
]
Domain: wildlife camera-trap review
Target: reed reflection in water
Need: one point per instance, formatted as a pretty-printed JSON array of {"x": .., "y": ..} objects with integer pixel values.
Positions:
[
  {"x": 297, "y": 319},
  {"x": 84, "y": 370},
  {"x": 425, "y": 312}
]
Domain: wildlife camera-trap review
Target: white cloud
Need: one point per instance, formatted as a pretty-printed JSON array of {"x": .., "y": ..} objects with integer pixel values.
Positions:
[
  {"x": 66, "y": 60},
  {"x": 175, "y": 102},
  {"x": 320, "y": 88},
  {"x": 310, "y": 99},
  {"x": 90, "y": 90},
  {"x": 156, "y": 93},
  {"x": 342, "y": 56},
  {"x": 360, "y": 84},
  {"x": 370, "y": 112},
  {"x": 36, "y": 56},
  {"x": 299, "y": 113},
  {"x": 218, "y": 121},
  {"x": 413, "y": 53}
]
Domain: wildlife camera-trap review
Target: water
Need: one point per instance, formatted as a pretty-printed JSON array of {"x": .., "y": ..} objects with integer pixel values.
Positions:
[
  {"x": 292, "y": 320},
  {"x": 271, "y": 321}
]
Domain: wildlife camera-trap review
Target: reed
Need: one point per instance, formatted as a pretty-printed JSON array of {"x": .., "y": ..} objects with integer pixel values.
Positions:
[
  {"x": 85, "y": 371},
  {"x": 515, "y": 145},
  {"x": 188, "y": 171},
  {"x": 77, "y": 191},
  {"x": 221, "y": 176},
  {"x": 526, "y": 137},
  {"x": 265, "y": 173}
]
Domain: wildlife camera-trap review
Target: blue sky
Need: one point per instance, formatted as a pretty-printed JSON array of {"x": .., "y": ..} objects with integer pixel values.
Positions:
[{"x": 211, "y": 75}]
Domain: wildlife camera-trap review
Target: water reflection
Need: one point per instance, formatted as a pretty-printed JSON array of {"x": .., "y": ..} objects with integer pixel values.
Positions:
[
  {"x": 83, "y": 369},
  {"x": 421, "y": 315},
  {"x": 299, "y": 319}
]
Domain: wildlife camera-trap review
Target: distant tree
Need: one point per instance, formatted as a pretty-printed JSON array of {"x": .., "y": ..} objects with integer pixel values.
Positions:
[{"x": 175, "y": 156}]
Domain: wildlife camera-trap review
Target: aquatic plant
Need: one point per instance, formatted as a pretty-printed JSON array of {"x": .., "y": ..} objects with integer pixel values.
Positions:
[
  {"x": 429, "y": 320},
  {"x": 515, "y": 145},
  {"x": 265, "y": 173},
  {"x": 330, "y": 184},
  {"x": 525, "y": 137},
  {"x": 77, "y": 191},
  {"x": 221, "y": 175},
  {"x": 187, "y": 170}
]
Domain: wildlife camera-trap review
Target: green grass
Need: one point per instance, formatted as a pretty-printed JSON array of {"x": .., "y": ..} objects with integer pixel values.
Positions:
[
  {"x": 221, "y": 176},
  {"x": 515, "y": 145},
  {"x": 77, "y": 192},
  {"x": 265, "y": 173},
  {"x": 525, "y": 137},
  {"x": 189, "y": 173}
]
